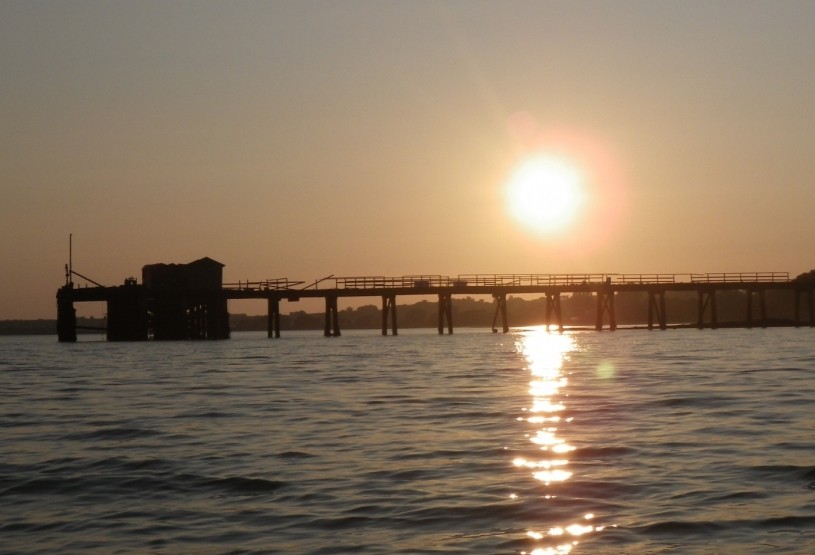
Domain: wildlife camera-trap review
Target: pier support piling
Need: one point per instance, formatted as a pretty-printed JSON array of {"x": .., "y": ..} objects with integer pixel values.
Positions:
[
  {"x": 332, "y": 322},
  {"x": 811, "y": 309},
  {"x": 656, "y": 305},
  {"x": 500, "y": 308},
  {"x": 707, "y": 298},
  {"x": 762, "y": 304},
  {"x": 273, "y": 318},
  {"x": 605, "y": 305},
  {"x": 445, "y": 312},
  {"x": 66, "y": 315},
  {"x": 389, "y": 310},
  {"x": 810, "y": 304},
  {"x": 553, "y": 309},
  {"x": 749, "y": 293}
]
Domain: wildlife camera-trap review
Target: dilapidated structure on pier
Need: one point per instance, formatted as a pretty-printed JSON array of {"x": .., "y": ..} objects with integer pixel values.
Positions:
[{"x": 174, "y": 301}]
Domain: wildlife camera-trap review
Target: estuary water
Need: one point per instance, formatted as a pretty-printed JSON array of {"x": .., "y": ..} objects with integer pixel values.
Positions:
[{"x": 632, "y": 442}]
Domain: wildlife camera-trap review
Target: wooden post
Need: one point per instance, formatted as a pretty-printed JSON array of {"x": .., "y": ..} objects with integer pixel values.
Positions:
[
  {"x": 389, "y": 309},
  {"x": 749, "y": 308},
  {"x": 332, "y": 323},
  {"x": 658, "y": 307},
  {"x": 273, "y": 318},
  {"x": 810, "y": 307},
  {"x": 445, "y": 312},
  {"x": 762, "y": 307},
  {"x": 605, "y": 304},
  {"x": 797, "y": 309},
  {"x": 663, "y": 323},
  {"x": 553, "y": 307},
  {"x": 707, "y": 298},
  {"x": 713, "y": 314},
  {"x": 500, "y": 307},
  {"x": 66, "y": 315}
]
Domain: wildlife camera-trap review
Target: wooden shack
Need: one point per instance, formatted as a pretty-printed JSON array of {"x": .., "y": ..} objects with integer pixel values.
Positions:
[{"x": 186, "y": 301}]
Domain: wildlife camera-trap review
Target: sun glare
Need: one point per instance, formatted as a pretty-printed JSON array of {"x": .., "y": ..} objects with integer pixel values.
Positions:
[{"x": 545, "y": 194}]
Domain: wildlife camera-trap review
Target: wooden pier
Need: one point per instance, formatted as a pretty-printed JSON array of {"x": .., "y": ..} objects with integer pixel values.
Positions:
[{"x": 188, "y": 301}]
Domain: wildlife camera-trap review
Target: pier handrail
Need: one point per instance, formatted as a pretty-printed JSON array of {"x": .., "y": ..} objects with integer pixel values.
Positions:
[
  {"x": 366, "y": 282},
  {"x": 380, "y": 282},
  {"x": 275, "y": 284},
  {"x": 500, "y": 280},
  {"x": 420, "y": 281},
  {"x": 645, "y": 279},
  {"x": 741, "y": 277},
  {"x": 520, "y": 280}
]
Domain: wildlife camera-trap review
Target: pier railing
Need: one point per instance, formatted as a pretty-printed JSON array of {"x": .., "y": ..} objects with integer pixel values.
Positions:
[
  {"x": 644, "y": 279},
  {"x": 276, "y": 284},
  {"x": 743, "y": 277},
  {"x": 427, "y": 281},
  {"x": 419, "y": 281},
  {"x": 521, "y": 280},
  {"x": 496, "y": 280}
]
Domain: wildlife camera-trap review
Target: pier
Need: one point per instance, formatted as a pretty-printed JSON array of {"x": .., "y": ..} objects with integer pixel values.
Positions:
[{"x": 190, "y": 301}]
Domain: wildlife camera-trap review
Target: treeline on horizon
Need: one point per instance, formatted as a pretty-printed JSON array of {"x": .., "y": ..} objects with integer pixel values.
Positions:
[{"x": 577, "y": 309}]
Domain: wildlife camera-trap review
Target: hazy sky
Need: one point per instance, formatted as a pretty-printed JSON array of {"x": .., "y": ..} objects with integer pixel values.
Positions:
[{"x": 306, "y": 138}]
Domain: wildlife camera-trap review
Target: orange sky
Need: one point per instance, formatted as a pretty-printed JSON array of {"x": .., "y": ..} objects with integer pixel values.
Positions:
[{"x": 303, "y": 139}]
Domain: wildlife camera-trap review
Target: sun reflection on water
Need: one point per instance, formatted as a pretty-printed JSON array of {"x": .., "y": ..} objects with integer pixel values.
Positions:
[{"x": 545, "y": 354}]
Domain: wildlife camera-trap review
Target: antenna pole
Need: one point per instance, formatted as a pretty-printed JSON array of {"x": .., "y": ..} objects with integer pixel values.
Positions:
[{"x": 70, "y": 257}]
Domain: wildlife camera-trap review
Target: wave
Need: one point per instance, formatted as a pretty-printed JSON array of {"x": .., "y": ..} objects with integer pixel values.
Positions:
[
  {"x": 116, "y": 433},
  {"x": 702, "y": 528},
  {"x": 294, "y": 455},
  {"x": 122, "y": 477}
]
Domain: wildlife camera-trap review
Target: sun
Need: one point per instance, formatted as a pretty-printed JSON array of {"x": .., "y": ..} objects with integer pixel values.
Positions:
[{"x": 545, "y": 194}]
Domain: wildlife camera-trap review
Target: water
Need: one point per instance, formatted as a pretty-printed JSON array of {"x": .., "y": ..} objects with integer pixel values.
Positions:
[{"x": 635, "y": 442}]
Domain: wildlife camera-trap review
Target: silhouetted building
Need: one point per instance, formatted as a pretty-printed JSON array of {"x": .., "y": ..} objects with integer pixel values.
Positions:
[
  {"x": 204, "y": 274},
  {"x": 186, "y": 301}
]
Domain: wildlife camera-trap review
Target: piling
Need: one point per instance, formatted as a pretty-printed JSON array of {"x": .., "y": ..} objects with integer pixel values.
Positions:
[
  {"x": 553, "y": 310},
  {"x": 605, "y": 305},
  {"x": 500, "y": 309},
  {"x": 445, "y": 312},
  {"x": 332, "y": 322},
  {"x": 389, "y": 310},
  {"x": 66, "y": 314},
  {"x": 273, "y": 317}
]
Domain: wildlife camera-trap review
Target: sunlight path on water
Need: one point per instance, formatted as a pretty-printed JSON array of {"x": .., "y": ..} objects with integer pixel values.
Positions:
[{"x": 545, "y": 353}]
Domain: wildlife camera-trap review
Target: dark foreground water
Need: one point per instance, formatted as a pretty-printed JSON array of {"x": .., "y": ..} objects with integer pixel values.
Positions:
[{"x": 631, "y": 442}]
